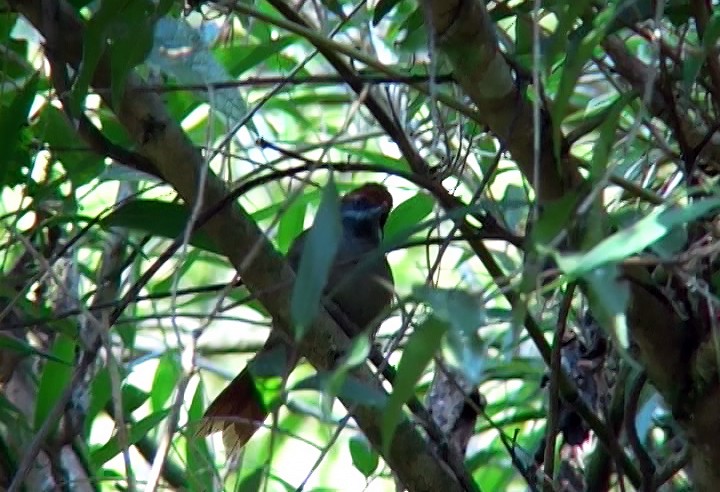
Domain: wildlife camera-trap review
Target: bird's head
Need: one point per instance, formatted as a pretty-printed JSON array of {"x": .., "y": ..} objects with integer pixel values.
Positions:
[{"x": 365, "y": 210}]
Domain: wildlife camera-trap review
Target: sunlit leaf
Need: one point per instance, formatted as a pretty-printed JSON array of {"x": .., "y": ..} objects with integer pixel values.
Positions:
[
  {"x": 165, "y": 381},
  {"x": 135, "y": 432},
  {"x": 409, "y": 213},
  {"x": 363, "y": 455},
  {"x": 55, "y": 378},
  {"x": 635, "y": 238}
]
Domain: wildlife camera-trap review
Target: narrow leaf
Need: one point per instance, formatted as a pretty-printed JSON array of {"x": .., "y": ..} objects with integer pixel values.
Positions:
[
  {"x": 166, "y": 377},
  {"x": 635, "y": 238},
  {"x": 199, "y": 459},
  {"x": 24, "y": 348},
  {"x": 421, "y": 347},
  {"x": 136, "y": 431},
  {"x": 382, "y": 8},
  {"x": 408, "y": 214},
  {"x": 318, "y": 254},
  {"x": 54, "y": 378},
  {"x": 363, "y": 455},
  {"x": 13, "y": 120}
]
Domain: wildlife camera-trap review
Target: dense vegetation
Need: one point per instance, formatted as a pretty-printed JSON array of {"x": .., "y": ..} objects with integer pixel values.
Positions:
[{"x": 553, "y": 243}]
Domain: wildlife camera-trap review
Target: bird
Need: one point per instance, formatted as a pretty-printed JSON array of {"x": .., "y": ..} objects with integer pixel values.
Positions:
[{"x": 360, "y": 284}]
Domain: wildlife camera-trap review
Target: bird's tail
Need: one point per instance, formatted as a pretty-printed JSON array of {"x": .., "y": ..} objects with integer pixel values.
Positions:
[{"x": 239, "y": 410}]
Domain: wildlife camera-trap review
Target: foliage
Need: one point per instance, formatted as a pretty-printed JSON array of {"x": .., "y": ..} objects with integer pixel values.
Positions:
[{"x": 628, "y": 97}]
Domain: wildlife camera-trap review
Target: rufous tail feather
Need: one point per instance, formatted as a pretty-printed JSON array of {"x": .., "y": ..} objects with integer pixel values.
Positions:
[{"x": 238, "y": 412}]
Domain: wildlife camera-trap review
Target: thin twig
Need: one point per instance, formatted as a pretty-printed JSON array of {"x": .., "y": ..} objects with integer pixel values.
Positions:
[{"x": 554, "y": 404}]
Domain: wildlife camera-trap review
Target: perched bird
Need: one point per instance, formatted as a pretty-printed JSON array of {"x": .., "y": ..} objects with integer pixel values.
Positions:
[{"x": 360, "y": 284}]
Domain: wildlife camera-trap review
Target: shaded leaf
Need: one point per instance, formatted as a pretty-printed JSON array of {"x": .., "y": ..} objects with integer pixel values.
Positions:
[
  {"x": 382, "y": 8},
  {"x": 321, "y": 244},
  {"x": 13, "y": 141},
  {"x": 607, "y": 137},
  {"x": 95, "y": 41},
  {"x": 608, "y": 298},
  {"x": 351, "y": 390},
  {"x": 81, "y": 166},
  {"x": 419, "y": 351},
  {"x": 252, "y": 482},
  {"x": 132, "y": 398},
  {"x": 132, "y": 40},
  {"x": 158, "y": 218}
]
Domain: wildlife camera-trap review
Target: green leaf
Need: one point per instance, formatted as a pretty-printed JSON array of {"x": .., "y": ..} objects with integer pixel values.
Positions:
[
  {"x": 252, "y": 482},
  {"x": 692, "y": 64},
  {"x": 658, "y": 223},
  {"x": 166, "y": 377},
  {"x": 132, "y": 398},
  {"x": 158, "y": 218},
  {"x": 199, "y": 459},
  {"x": 100, "y": 394},
  {"x": 364, "y": 457},
  {"x": 136, "y": 431},
  {"x": 407, "y": 215},
  {"x": 81, "y": 166},
  {"x": 54, "y": 378},
  {"x": 712, "y": 31},
  {"x": 555, "y": 217},
  {"x": 334, "y": 7},
  {"x": 13, "y": 139},
  {"x": 321, "y": 244},
  {"x": 24, "y": 348},
  {"x": 607, "y": 138},
  {"x": 419, "y": 351},
  {"x": 338, "y": 381},
  {"x": 358, "y": 353},
  {"x": 132, "y": 40},
  {"x": 578, "y": 54},
  {"x": 239, "y": 59},
  {"x": 291, "y": 224},
  {"x": 94, "y": 44},
  {"x": 608, "y": 298},
  {"x": 382, "y": 8},
  {"x": 352, "y": 390},
  {"x": 568, "y": 15},
  {"x": 465, "y": 313}
]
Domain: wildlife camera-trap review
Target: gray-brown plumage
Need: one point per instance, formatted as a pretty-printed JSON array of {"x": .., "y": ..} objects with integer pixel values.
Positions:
[{"x": 360, "y": 284}]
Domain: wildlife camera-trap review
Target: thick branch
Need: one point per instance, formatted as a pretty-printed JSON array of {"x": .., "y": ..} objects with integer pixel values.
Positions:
[{"x": 466, "y": 35}]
